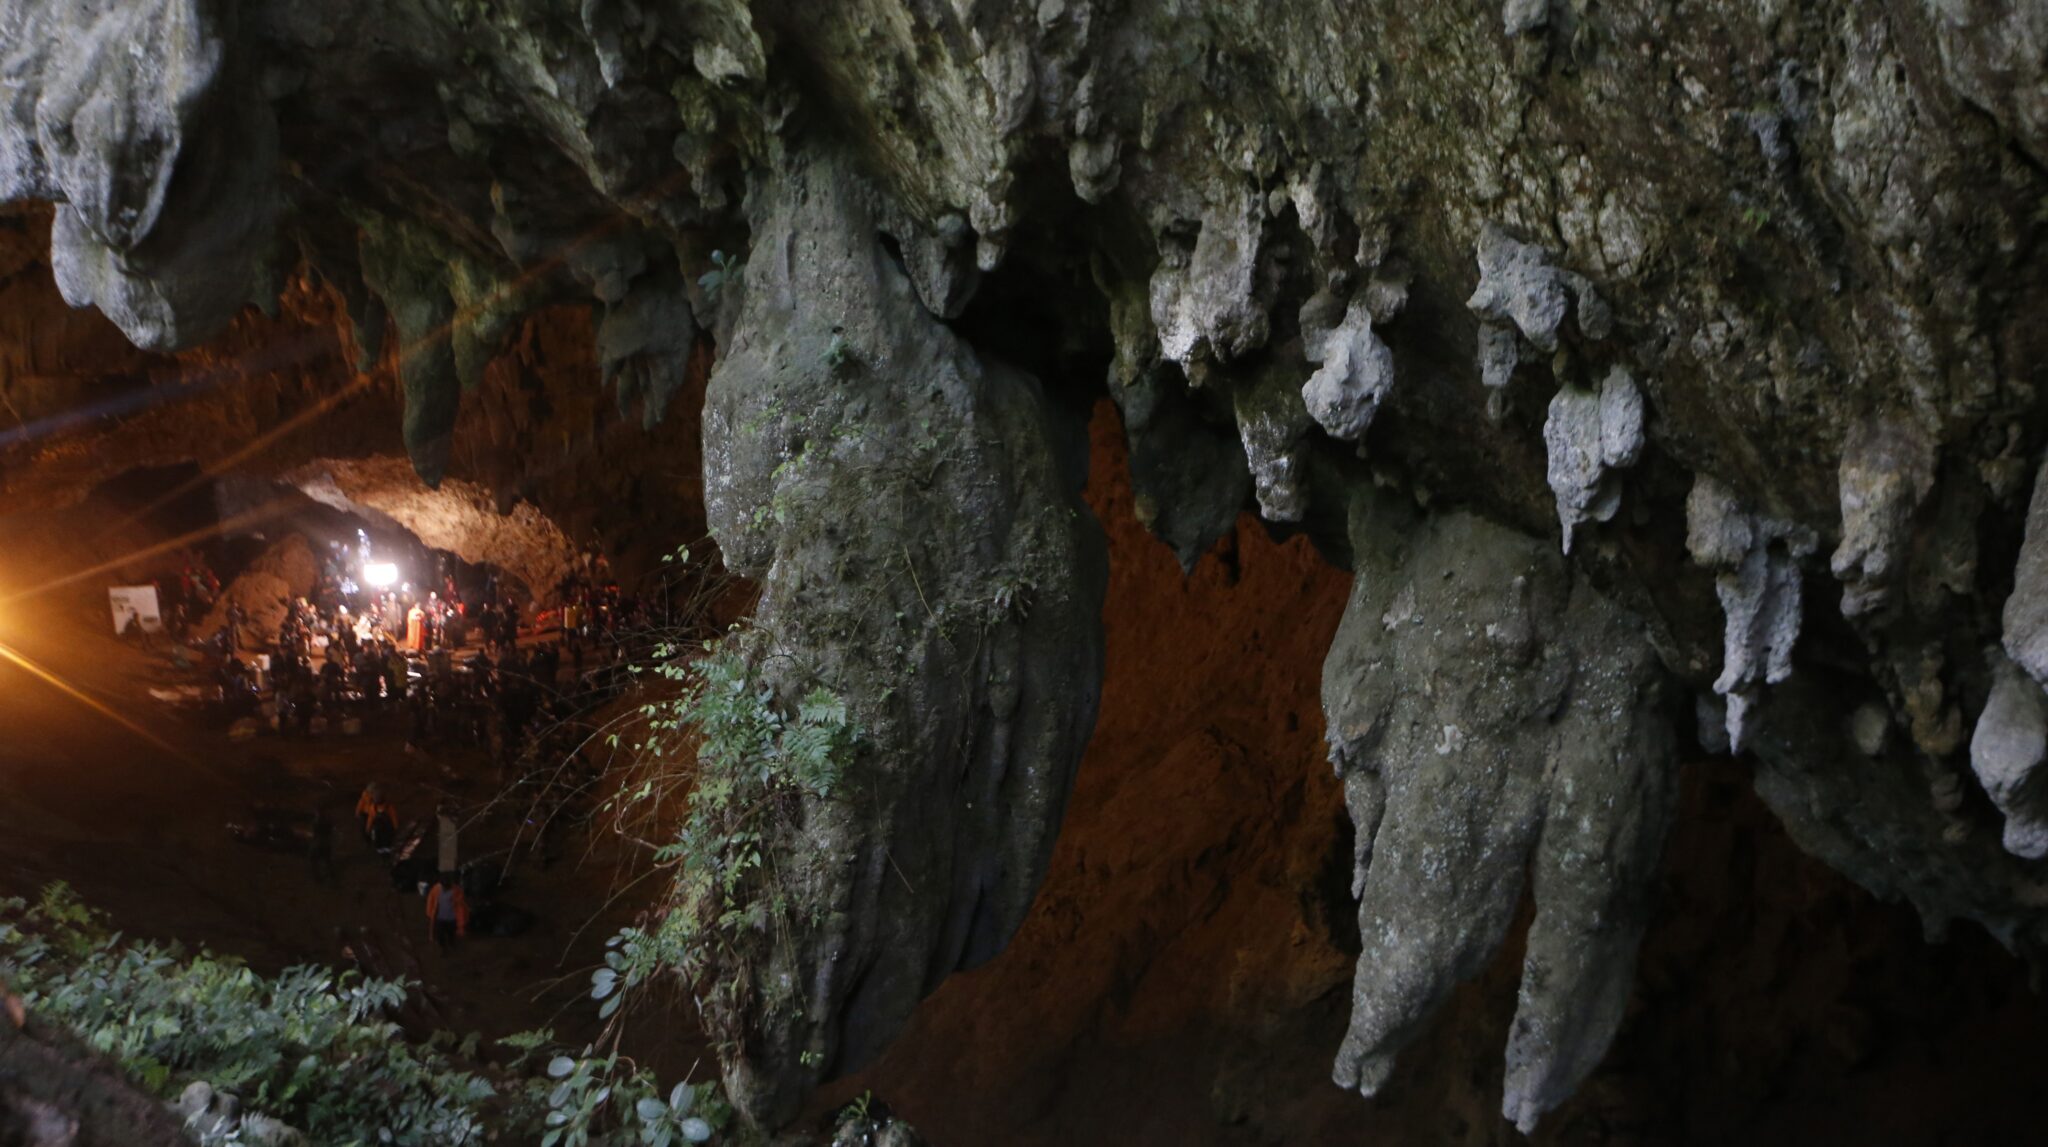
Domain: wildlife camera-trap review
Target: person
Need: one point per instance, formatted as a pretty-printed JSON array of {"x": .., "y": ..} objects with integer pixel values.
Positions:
[
  {"x": 320, "y": 847},
  {"x": 415, "y": 628},
  {"x": 379, "y": 817},
  {"x": 394, "y": 675},
  {"x": 132, "y": 630},
  {"x": 447, "y": 911}
]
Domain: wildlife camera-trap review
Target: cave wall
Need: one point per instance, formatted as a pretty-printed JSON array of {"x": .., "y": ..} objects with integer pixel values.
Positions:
[
  {"x": 1191, "y": 948},
  {"x": 1701, "y": 343}
]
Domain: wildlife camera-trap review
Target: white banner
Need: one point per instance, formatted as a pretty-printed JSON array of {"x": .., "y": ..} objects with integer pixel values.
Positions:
[{"x": 138, "y": 602}]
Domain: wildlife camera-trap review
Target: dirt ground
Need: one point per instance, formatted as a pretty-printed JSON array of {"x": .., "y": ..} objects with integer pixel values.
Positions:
[{"x": 130, "y": 799}]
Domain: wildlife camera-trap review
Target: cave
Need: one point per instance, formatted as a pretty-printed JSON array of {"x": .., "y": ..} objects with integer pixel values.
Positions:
[{"x": 1057, "y": 572}]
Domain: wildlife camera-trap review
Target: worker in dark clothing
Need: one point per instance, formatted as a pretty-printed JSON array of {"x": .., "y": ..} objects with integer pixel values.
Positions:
[
  {"x": 320, "y": 847},
  {"x": 447, "y": 911}
]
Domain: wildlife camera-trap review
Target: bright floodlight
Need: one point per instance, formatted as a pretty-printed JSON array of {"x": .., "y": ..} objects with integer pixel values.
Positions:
[{"x": 380, "y": 574}]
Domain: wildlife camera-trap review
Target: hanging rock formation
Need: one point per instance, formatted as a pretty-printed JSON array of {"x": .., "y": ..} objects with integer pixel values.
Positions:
[
  {"x": 139, "y": 119},
  {"x": 1759, "y": 587},
  {"x": 1490, "y": 715},
  {"x": 1589, "y": 434},
  {"x": 913, "y": 511},
  {"x": 1770, "y": 272}
]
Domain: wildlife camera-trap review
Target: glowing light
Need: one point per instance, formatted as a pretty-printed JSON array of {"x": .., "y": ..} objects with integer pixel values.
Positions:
[
  {"x": 380, "y": 575},
  {"x": 22, "y": 660}
]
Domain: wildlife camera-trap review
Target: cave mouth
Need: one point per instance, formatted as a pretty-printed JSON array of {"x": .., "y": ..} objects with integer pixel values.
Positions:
[
  {"x": 172, "y": 777},
  {"x": 201, "y": 540},
  {"x": 1198, "y": 817}
]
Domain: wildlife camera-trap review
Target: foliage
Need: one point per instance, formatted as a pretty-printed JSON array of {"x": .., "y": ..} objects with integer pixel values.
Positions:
[
  {"x": 588, "y": 1095},
  {"x": 838, "y": 355},
  {"x": 316, "y": 1049},
  {"x": 757, "y": 761},
  {"x": 725, "y": 270}
]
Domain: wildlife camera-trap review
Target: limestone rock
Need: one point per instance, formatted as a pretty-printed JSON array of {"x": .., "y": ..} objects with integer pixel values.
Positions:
[
  {"x": 1589, "y": 435},
  {"x": 1821, "y": 248},
  {"x": 286, "y": 570},
  {"x": 458, "y": 515},
  {"x": 417, "y": 297},
  {"x": 644, "y": 343},
  {"x": 912, "y": 511},
  {"x": 2006, "y": 751},
  {"x": 1211, "y": 301},
  {"x": 2026, "y": 611},
  {"x": 104, "y": 106},
  {"x": 1519, "y": 286},
  {"x": 1273, "y": 425},
  {"x": 1887, "y": 471},
  {"x": 1486, "y": 712},
  {"x": 1189, "y": 475},
  {"x": 1519, "y": 16},
  {"x": 1356, "y": 373},
  {"x": 1758, "y": 583}
]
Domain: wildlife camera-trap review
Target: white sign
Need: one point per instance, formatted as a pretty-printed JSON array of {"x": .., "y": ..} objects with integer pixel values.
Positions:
[{"x": 138, "y": 602}]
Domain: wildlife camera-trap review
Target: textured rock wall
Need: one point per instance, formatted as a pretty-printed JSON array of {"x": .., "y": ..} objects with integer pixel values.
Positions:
[
  {"x": 541, "y": 462},
  {"x": 458, "y": 516},
  {"x": 1735, "y": 304},
  {"x": 913, "y": 513}
]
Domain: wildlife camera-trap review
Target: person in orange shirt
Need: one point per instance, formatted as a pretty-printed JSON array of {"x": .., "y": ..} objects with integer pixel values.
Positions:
[{"x": 447, "y": 911}]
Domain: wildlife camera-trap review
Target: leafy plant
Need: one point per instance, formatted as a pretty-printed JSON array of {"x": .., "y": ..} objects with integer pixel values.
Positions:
[
  {"x": 725, "y": 269},
  {"x": 756, "y": 762},
  {"x": 316, "y": 1049},
  {"x": 589, "y": 1094},
  {"x": 838, "y": 355}
]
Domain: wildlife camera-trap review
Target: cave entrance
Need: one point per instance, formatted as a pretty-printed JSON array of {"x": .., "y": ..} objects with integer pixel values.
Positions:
[
  {"x": 350, "y": 566},
  {"x": 185, "y": 808}
]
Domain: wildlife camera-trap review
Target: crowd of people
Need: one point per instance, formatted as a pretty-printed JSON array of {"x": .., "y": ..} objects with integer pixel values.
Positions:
[
  {"x": 465, "y": 677},
  {"x": 329, "y": 669},
  {"x": 187, "y": 596}
]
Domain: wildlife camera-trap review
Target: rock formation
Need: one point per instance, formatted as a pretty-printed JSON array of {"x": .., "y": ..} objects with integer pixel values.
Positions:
[
  {"x": 1490, "y": 714},
  {"x": 1710, "y": 291},
  {"x": 913, "y": 513}
]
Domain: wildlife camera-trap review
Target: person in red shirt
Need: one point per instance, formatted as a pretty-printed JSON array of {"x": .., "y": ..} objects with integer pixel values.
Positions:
[{"x": 447, "y": 911}]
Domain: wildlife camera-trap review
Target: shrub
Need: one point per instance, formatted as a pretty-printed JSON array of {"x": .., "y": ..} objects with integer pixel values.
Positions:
[
  {"x": 315, "y": 1049},
  {"x": 756, "y": 763}
]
